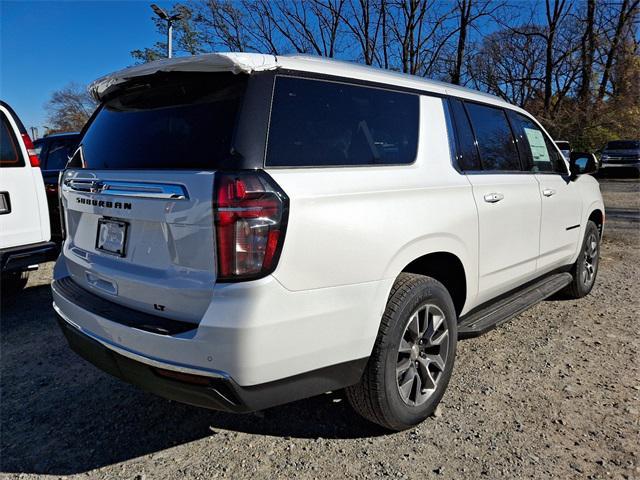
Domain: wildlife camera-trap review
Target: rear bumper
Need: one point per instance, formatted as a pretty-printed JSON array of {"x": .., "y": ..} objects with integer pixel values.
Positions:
[
  {"x": 218, "y": 392},
  {"x": 256, "y": 332},
  {"x": 20, "y": 258}
]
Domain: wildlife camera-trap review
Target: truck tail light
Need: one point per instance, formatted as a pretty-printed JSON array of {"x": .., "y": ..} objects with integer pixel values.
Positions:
[
  {"x": 31, "y": 150},
  {"x": 250, "y": 216}
]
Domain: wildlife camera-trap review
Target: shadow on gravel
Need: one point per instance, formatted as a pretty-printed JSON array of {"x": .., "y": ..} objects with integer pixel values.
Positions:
[{"x": 60, "y": 415}]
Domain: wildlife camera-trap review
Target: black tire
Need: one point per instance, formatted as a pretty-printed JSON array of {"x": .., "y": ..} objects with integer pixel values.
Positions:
[
  {"x": 585, "y": 270},
  {"x": 12, "y": 283},
  {"x": 377, "y": 397}
]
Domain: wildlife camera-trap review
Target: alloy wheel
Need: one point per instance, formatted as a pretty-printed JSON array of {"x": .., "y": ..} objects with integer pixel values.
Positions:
[
  {"x": 422, "y": 354},
  {"x": 590, "y": 266}
]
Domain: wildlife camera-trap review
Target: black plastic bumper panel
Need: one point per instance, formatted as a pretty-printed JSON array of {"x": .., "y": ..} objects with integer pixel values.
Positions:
[
  {"x": 213, "y": 393},
  {"x": 20, "y": 258},
  {"x": 86, "y": 300}
]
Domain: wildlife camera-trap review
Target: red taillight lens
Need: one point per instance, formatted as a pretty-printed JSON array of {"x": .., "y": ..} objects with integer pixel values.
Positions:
[
  {"x": 31, "y": 151},
  {"x": 250, "y": 218}
]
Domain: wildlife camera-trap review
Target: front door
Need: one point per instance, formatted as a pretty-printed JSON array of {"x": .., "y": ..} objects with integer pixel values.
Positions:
[
  {"x": 508, "y": 203},
  {"x": 561, "y": 202}
]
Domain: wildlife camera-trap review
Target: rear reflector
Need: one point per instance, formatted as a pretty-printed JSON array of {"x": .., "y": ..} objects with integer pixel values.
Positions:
[
  {"x": 250, "y": 218},
  {"x": 182, "y": 377},
  {"x": 31, "y": 151}
]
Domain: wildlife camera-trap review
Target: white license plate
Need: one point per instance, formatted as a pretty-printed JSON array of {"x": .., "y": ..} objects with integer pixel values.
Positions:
[{"x": 112, "y": 236}]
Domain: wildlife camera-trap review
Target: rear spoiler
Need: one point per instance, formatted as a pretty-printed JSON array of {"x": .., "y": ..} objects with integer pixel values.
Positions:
[{"x": 212, "y": 62}]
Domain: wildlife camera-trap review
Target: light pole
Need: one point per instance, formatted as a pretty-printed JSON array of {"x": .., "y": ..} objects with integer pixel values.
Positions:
[{"x": 170, "y": 19}]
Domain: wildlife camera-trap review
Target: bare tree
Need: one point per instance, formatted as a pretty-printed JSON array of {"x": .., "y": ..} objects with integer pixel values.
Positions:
[
  {"x": 364, "y": 22},
  {"x": 628, "y": 10},
  {"x": 555, "y": 15},
  {"x": 69, "y": 108},
  {"x": 420, "y": 30},
  {"x": 306, "y": 26},
  {"x": 587, "y": 52},
  {"x": 222, "y": 24},
  {"x": 511, "y": 66},
  {"x": 468, "y": 13}
]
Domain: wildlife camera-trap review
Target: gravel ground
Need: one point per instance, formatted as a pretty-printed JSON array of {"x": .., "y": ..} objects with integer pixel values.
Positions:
[{"x": 554, "y": 393}]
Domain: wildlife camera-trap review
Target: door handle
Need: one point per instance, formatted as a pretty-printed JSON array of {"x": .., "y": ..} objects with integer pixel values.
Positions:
[
  {"x": 547, "y": 192},
  {"x": 493, "y": 197}
]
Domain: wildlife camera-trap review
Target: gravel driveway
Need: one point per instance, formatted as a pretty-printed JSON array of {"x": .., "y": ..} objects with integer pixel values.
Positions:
[{"x": 554, "y": 393}]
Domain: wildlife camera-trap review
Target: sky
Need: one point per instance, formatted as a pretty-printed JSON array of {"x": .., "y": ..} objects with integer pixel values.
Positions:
[{"x": 46, "y": 45}]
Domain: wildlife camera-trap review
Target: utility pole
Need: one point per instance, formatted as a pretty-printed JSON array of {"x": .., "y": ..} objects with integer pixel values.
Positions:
[{"x": 169, "y": 19}]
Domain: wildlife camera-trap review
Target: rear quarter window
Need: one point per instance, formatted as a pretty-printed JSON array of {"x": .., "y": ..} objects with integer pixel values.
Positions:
[
  {"x": 318, "y": 123},
  {"x": 10, "y": 155}
]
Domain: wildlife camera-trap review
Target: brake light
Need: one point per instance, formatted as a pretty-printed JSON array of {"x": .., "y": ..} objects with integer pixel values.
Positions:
[
  {"x": 31, "y": 150},
  {"x": 250, "y": 215}
]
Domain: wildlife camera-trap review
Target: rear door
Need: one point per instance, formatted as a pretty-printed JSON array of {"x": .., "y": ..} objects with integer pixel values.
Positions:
[
  {"x": 19, "y": 201},
  {"x": 561, "y": 201},
  {"x": 144, "y": 239},
  {"x": 138, "y": 193},
  {"x": 507, "y": 200}
]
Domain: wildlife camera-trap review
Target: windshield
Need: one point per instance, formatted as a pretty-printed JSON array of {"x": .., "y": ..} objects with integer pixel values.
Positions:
[
  {"x": 166, "y": 121},
  {"x": 624, "y": 145}
]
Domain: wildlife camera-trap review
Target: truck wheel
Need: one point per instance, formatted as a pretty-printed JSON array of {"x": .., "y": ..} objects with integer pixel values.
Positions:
[
  {"x": 11, "y": 283},
  {"x": 585, "y": 269},
  {"x": 412, "y": 359}
]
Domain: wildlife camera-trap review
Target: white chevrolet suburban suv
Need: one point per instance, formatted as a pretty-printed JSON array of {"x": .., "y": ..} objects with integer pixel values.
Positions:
[
  {"x": 24, "y": 216},
  {"x": 245, "y": 230}
]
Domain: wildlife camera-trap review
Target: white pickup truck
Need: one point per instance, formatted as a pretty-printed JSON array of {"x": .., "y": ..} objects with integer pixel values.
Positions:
[{"x": 245, "y": 230}]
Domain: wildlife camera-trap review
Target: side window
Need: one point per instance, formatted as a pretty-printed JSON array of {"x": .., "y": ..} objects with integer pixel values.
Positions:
[
  {"x": 10, "y": 155},
  {"x": 59, "y": 153},
  {"x": 321, "y": 123},
  {"x": 468, "y": 158},
  {"x": 538, "y": 151},
  {"x": 495, "y": 140}
]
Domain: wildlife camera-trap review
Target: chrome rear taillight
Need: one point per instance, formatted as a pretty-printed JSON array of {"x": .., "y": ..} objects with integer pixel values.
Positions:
[{"x": 250, "y": 215}]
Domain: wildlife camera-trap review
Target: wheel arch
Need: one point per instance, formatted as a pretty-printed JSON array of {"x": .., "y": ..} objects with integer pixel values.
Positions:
[
  {"x": 597, "y": 217},
  {"x": 445, "y": 257},
  {"x": 448, "y": 269}
]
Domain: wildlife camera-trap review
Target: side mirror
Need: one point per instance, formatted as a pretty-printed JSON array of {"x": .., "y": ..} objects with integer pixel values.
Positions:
[{"x": 582, "y": 163}]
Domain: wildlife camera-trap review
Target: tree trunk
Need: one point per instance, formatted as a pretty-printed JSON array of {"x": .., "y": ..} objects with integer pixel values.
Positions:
[
  {"x": 625, "y": 12},
  {"x": 465, "y": 13},
  {"x": 587, "y": 52}
]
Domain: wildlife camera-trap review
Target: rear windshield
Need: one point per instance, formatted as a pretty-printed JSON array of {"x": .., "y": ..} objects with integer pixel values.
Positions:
[
  {"x": 166, "y": 121},
  {"x": 623, "y": 145}
]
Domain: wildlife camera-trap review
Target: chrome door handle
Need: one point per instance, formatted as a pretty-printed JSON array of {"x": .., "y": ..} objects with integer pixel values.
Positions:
[
  {"x": 547, "y": 192},
  {"x": 493, "y": 197}
]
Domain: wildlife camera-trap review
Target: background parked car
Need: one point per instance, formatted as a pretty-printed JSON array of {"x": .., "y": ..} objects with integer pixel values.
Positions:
[
  {"x": 621, "y": 154},
  {"x": 54, "y": 152},
  {"x": 24, "y": 224}
]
